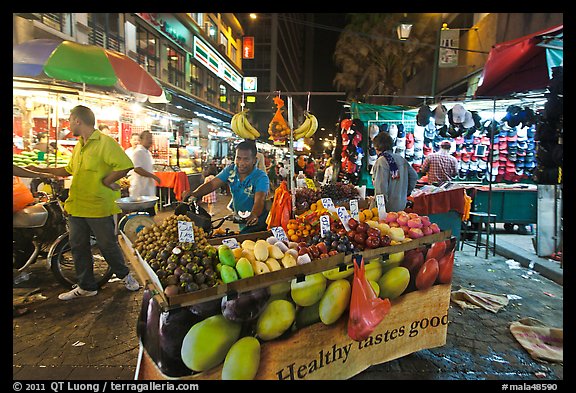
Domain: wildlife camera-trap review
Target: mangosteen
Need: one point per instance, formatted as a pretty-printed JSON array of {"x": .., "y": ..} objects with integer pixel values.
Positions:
[
  {"x": 164, "y": 254},
  {"x": 155, "y": 265},
  {"x": 172, "y": 279},
  {"x": 199, "y": 278},
  {"x": 191, "y": 287}
]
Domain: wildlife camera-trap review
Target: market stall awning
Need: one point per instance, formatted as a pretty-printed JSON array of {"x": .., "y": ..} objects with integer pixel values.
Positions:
[{"x": 517, "y": 66}]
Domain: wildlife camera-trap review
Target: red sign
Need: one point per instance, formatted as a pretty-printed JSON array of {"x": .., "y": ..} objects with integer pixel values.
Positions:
[{"x": 248, "y": 47}]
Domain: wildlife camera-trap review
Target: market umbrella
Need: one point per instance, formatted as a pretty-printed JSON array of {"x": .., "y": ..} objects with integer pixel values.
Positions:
[{"x": 86, "y": 64}]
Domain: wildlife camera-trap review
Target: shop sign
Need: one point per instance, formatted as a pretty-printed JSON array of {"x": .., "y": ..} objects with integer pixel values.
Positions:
[
  {"x": 449, "y": 39},
  {"x": 248, "y": 47},
  {"x": 211, "y": 60},
  {"x": 250, "y": 84}
]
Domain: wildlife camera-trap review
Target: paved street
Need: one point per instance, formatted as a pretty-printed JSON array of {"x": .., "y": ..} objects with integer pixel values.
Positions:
[{"x": 95, "y": 338}]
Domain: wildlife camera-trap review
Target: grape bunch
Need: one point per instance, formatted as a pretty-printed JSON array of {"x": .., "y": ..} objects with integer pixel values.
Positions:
[
  {"x": 305, "y": 197},
  {"x": 338, "y": 191}
]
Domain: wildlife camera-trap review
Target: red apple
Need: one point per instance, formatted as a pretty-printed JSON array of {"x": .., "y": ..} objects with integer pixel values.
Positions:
[
  {"x": 372, "y": 242},
  {"x": 362, "y": 227},
  {"x": 352, "y": 223},
  {"x": 342, "y": 232},
  {"x": 394, "y": 224},
  {"x": 360, "y": 238},
  {"x": 435, "y": 228},
  {"x": 351, "y": 233},
  {"x": 427, "y": 274},
  {"x": 385, "y": 240},
  {"x": 375, "y": 232},
  {"x": 413, "y": 215},
  {"x": 322, "y": 248},
  {"x": 406, "y": 229},
  {"x": 332, "y": 253},
  {"x": 303, "y": 250},
  {"x": 324, "y": 255},
  {"x": 402, "y": 219},
  {"x": 314, "y": 251}
]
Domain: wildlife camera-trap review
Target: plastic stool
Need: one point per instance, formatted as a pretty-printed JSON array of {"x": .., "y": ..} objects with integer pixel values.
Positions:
[{"x": 483, "y": 219}]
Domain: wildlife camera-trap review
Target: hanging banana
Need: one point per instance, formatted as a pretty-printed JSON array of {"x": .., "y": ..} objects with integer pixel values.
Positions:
[
  {"x": 307, "y": 128},
  {"x": 242, "y": 127}
]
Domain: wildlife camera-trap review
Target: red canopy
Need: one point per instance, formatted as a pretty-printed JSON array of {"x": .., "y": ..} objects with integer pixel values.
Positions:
[{"x": 516, "y": 66}]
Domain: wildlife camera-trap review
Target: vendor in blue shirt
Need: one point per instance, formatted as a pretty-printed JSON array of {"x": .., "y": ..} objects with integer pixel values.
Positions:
[{"x": 248, "y": 184}]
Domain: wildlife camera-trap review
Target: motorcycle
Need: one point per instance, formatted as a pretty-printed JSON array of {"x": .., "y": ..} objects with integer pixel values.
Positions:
[{"x": 41, "y": 231}]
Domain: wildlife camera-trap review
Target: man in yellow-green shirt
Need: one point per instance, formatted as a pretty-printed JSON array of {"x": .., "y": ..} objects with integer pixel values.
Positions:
[{"x": 97, "y": 162}]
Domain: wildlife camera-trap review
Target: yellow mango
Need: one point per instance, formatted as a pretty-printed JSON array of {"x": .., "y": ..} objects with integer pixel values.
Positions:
[
  {"x": 275, "y": 252},
  {"x": 242, "y": 360},
  {"x": 273, "y": 264},
  {"x": 261, "y": 250},
  {"x": 248, "y": 244},
  {"x": 334, "y": 301}
]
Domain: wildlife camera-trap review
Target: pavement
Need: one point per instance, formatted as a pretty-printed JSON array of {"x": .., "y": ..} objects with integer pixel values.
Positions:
[{"x": 95, "y": 338}]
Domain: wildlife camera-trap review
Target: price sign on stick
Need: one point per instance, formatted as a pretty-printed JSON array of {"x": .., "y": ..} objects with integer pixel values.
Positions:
[
  {"x": 381, "y": 206},
  {"x": 279, "y": 233},
  {"x": 310, "y": 184},
  {"x": 232, "y": 243},
  {"x": 354, "y": 209},
  {"x": 324, "y": 224},
  {"x": 185, "y": 232},
  {"x": 328, "y": 204},
  {"x": 344, "y": 217}
]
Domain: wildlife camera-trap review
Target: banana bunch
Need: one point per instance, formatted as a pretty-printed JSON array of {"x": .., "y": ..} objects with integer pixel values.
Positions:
[
  {"x": 307, "y": 128},
  {"x": 242, "y": 127}
]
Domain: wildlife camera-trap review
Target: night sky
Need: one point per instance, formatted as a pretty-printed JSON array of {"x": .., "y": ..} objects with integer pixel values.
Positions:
[{"x": 326, "y": 108}]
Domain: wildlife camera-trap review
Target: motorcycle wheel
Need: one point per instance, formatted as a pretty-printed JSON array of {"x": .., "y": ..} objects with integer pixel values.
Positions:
[{"x": 62, "y": 264}]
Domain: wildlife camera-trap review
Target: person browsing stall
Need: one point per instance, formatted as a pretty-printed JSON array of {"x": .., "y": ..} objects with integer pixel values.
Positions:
[
  {"x": 248, "y": 184},
  {"x": 440, "y": 166},
  {"x": 142, "y": 178},
  {"x": 97, "y": 163},
  {"x": 392, "y": 175}
]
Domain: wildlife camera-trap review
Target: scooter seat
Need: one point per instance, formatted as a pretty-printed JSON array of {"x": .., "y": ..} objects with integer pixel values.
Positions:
[{"x": 33, "y": 216}]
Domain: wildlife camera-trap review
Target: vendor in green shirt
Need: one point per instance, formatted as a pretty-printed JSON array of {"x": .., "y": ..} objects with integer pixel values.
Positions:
[
  {"x": 97, "y": 163},
  {"x": 248, "y": 184}
]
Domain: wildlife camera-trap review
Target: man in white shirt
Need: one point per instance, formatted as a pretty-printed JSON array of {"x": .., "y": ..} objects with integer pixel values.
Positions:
[
  {"x": 134, "y": 141},
  {"x": 143, "y": 180}
]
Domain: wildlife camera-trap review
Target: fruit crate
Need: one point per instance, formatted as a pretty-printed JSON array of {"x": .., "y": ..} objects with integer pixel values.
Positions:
[
  {"x": 147, "y": 275},
  {"x": 417, "y": 320}
]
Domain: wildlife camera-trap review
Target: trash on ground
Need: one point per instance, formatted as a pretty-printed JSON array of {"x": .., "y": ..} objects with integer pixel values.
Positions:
[
  {"x": 543, "y": 343},
  {"x": 512, "y": 264},
  {"x": 466, "y": 298},
  {"x": 549, "y": 294},
  {"x": 513, "y": 297},
  {"x": 78, "y": 344}
]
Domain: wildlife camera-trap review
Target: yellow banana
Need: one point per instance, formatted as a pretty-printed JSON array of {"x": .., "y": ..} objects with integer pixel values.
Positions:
[
  {"x": 238, "y": 127},
  {"x": 304, "y": 127},
  {"x": 313, "y": 127},
  {"x": 249, "y": 127}
]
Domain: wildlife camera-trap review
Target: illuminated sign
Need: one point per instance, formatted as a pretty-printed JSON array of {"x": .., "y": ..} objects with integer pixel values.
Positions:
[
  {"x": 214, "y": 63},
  {"x": 250, "y": 84},
  {"x": 248, "y": 47}
]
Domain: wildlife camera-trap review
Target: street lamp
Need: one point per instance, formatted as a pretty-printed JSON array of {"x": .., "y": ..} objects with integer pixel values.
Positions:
[{"x": 403, "y": 30}]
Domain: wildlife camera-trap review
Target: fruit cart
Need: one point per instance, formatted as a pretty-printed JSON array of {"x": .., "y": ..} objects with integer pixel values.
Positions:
[{"x": 288, "y": 322}]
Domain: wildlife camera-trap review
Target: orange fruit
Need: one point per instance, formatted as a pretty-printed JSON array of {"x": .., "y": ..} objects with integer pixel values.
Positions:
[
  {"x": 368, "y": 214},
  {"x": 361, "y": 216},
  {"x": 294, "y": 238},
  {"x": 374, "y": 212},
  {"x": 291, "y": 232}
]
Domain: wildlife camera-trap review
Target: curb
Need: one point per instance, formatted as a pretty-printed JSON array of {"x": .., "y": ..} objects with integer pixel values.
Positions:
[{"x": 546, "y": 268}]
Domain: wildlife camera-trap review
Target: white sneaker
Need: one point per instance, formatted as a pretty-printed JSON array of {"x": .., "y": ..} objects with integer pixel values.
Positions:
[
  {"x": 76, "y": 292},
  {"x": 131, "y": 283}
]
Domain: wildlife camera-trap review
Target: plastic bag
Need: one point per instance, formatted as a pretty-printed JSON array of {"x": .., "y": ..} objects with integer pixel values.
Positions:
[
  {"x": 278, "y": 128},
  {"x": 366, "y": 309},
  {"x": 22, "y": 196}
]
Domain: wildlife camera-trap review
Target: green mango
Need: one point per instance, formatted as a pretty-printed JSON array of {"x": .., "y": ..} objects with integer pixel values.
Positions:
[
  {"x": 207, "y": 342},
  {"x": 276, "y": 318},
  {"x": 226, "y": 256},
  {"x": 242, "y": 360}
]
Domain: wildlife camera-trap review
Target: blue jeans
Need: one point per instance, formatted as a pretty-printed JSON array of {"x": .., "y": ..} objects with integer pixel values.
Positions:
[{"x": 104, "y": 231}]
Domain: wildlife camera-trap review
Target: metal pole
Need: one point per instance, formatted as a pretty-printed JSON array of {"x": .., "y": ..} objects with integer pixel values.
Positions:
[
  {"x": 436, "y": 57},
  {"x": 490, "y": 188},
  {"x": 291, "y": 149}
]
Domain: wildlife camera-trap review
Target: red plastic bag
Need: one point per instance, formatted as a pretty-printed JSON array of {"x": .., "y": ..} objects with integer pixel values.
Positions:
[
  {"x": 21, "y": 195},
  {"x": 366, "y": 309}
]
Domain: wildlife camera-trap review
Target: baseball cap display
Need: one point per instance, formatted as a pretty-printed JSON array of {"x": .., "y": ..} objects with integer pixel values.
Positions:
[
  {"x": 393, "y": 131},
  {"x": 468, "y": 120},
  {"x": 458, "y": 114},
  {"x": 423, "y": 116},
  {"x": 440, "y": 115}
]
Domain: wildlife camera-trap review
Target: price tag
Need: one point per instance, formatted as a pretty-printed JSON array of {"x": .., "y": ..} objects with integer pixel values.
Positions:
[
  {"x": 354, "y": 210},
  {"x": 328, "y": 204},
  {"x": 381, "y": 207},
  {"x": 324, "y": 224},
  {"x": 185, "y": 232},
  {"x": 232, "y": 243},
  {"x": 344, "y": 217},
  {"x": 310, "y": 184},
  {"x": 279, "y": 233}
]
